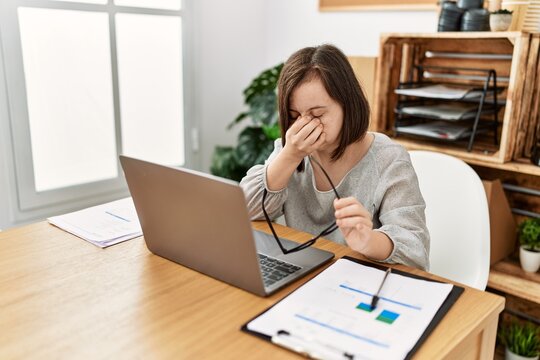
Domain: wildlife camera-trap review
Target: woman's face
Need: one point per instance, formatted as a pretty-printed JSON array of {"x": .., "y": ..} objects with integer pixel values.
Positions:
[{"x": 311, "y": 99}]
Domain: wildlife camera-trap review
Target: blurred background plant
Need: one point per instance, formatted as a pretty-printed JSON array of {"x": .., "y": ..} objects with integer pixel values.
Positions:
[
  {"x": 256, "y": 141},
  {"x": 529, "y": 234},
  {"x": 521, "y": 339},
  {"x": 529, "y": 239}
]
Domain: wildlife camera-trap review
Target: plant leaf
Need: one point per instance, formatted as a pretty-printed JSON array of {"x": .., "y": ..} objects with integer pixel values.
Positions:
[
  {"x": 224, "y": 164},
  {"x": 272, "y": 132},
  {"x": 253, "y": 147}
]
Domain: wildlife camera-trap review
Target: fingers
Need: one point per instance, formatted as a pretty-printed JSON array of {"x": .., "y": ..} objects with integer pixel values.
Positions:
[
  {"x": 299, "y": 123},
  {"x": 355, "y": 221},
  {"x": 319, "y": 141},
  {"x": 305, "y": 135},
  {"x": 347, "y": 207},
  {"x": 309, "y": 128},
  {"x": 314, "y": 136}
]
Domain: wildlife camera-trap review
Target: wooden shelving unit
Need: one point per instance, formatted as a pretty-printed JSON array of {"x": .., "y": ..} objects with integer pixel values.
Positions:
[
  {"x": 516, "y": 60},
  {"x": 521, "y": 290},
  {"x": 509, "y": 54}
]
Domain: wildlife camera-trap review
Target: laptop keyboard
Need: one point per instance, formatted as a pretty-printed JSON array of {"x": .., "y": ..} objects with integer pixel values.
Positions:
[{"x": 274, "y": 270}]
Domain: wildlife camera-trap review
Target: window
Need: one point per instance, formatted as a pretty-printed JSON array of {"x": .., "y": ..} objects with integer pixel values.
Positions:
[{"x": 86, "y": 81}]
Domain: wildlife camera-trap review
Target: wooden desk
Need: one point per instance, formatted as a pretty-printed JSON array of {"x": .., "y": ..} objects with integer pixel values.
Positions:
[{"x": 61, "y": 297}]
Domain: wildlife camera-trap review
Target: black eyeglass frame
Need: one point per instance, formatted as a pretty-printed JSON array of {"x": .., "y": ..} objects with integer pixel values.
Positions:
[{"x": 331, "y": 228}]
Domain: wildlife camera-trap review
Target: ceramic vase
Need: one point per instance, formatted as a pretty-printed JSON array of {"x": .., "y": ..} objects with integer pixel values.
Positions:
[
  {"x": 500, "y": 22},
  {"x": 508, "y": 355},
  {"x": 530, "y": 260}
]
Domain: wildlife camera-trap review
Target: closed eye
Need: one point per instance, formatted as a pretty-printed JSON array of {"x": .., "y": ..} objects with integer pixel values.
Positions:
[{"x": 294, "y": 115}]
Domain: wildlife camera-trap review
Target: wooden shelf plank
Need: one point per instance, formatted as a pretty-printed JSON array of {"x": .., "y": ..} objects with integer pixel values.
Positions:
[
  {"x": 457, "y": 35},
  {"x": 508, "y": 277},
  {"x": 514, "y": 166},
  {"x": 473, "y": 158},
  {"x": 351, "y": 5}
]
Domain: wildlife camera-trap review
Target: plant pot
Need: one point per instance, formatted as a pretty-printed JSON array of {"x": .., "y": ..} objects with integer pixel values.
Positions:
[
  {"x": 519, "y": 8},
  {"x": 530, "y": 260},
  {"x": 508, "y": 355},
  {"x": 500, "y": 22}
]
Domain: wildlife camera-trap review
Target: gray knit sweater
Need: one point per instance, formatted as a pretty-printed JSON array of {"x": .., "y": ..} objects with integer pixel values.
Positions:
[{"x": 384, "y": 182}]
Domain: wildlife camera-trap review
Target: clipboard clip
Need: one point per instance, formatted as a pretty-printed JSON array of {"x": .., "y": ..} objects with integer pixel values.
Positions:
[{"x": 310, "y": 348}]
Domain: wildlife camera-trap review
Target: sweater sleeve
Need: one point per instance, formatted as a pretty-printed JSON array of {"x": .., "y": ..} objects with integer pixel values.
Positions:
[
  {"x": 253, "y": 185},
  {"x": 402, "y": 215}
]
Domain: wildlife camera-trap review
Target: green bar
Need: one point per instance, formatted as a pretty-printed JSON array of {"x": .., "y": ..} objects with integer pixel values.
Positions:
[
  {"x": 385, "y": 319},
  {"x": 365, "y": 307}
]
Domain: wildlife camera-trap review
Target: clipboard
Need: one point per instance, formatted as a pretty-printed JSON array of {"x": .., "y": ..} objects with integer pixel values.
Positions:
[{"x": 297, "y": 345}]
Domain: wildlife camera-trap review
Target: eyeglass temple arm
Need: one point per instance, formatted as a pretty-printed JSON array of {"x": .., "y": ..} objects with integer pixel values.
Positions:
[{"x": 285, "y": 251}]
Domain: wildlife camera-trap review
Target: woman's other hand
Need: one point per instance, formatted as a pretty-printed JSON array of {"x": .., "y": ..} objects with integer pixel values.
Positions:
[{"x": 355, "y": 223}]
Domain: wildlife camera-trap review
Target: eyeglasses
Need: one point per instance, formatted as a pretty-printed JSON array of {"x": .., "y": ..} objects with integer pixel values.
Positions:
[{"x": 332, "y": 227}]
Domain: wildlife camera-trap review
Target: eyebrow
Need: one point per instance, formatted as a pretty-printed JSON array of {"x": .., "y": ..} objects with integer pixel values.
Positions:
[{"x": 310, "y": 109}]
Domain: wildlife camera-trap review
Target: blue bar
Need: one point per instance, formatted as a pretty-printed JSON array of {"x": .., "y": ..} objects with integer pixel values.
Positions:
[
  {"x": 116, "y": 216},
  {"x": 341, "y": 331},
  {"x": 381, "y": 298}
]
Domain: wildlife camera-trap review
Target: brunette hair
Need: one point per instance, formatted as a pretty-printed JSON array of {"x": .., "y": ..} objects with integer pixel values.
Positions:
[{"x": 331, "y": 66}]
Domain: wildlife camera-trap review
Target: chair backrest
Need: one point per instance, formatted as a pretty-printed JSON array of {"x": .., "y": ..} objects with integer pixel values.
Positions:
[{"x": 457, "y": 217}]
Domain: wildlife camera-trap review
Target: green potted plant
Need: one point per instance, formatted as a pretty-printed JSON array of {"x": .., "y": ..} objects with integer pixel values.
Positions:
[
  {"x": 529, "y": 239},
  {"x": 255, "y": 142},
  {"x": 500, "y": 20},
  {"x": 522, "y": 341}
]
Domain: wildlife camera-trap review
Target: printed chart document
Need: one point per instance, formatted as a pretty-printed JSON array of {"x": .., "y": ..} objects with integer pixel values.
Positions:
[
  {"x": 331, "y": 314},
  {"x": 102, "y": 225}
]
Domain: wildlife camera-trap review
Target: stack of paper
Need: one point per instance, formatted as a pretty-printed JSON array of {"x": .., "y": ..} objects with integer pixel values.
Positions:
[
  {"x": 437, "y": 129},
  {"x": 102, "y": 225},
  {"x": 449, "y": 112},
  {"x": 440, "y": 92}
]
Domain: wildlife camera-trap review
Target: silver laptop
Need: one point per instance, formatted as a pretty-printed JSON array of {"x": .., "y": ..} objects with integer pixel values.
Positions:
[{"x": 201, "y": 221}]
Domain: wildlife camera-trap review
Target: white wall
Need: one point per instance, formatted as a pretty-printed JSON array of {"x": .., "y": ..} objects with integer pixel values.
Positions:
[
  {"x": 355, "y": 32},
  {"x": 230, "y": 48},
  {"x": 261, "y": 33}
]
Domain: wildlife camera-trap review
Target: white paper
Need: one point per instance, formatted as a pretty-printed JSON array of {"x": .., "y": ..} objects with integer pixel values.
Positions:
[
  {"x": 440, "y": 92},
  {"x": 325, "y": 312},
  {"x": 442, "y": 111},
  {"x": 102, "y": 225},
  {"x": 438, "y": 129}
]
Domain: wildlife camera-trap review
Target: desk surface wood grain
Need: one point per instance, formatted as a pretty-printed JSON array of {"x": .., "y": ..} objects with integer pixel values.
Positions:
[{"x": 61, "y": 297}]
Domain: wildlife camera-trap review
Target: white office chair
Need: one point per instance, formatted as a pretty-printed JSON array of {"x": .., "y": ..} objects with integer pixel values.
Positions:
[{"x": 457, "y": 217}]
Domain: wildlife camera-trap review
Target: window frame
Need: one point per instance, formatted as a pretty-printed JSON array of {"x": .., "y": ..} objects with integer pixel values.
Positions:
[{"x": 28, "y": 199}]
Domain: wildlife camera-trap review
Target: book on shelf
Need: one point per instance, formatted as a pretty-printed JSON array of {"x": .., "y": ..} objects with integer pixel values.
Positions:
[
  {"x": 438, "y": 129},
  {"x": 450, "y": 112},
  {"x": 441, "y": 92}
]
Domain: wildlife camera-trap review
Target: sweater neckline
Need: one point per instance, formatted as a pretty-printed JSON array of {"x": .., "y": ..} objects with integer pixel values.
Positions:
[{"x": 368, "y": 153}]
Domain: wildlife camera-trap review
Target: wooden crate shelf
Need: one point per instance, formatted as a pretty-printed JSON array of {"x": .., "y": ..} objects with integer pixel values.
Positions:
[
  {"x": 508, "y": 277},
  {"x": 522, "y": 166},
  {"x": 399, "y": 53}
]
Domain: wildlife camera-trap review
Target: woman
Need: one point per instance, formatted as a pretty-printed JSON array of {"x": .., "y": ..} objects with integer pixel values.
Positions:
[{"x": 324, "y": 117}]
